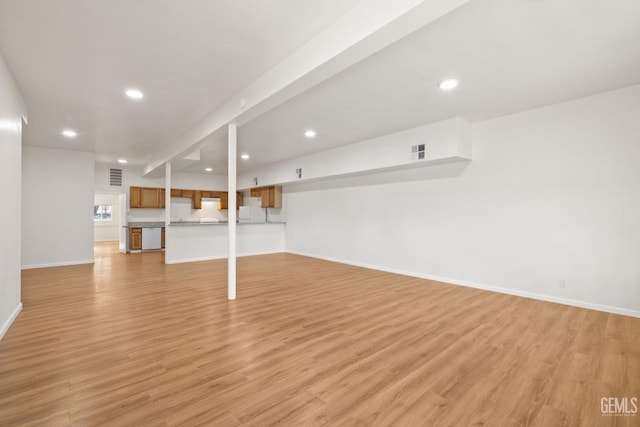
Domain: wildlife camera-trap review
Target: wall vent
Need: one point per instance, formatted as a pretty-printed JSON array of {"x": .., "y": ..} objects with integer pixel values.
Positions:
[
  {"x": 418, "y": 152},
  {"x": 115, "y": 177},
  {"x": 299, "y": 173}
]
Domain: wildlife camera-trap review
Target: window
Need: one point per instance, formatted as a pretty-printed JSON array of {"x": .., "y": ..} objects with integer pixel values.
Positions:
[{"x": 102, "y": 213}]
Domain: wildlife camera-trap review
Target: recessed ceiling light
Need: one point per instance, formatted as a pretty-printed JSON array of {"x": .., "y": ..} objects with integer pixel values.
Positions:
[
  {"x": 123, "y": 161},
  {"x": 134, "y": 94},
  {"x": 208, "y": 169},
  {"x": 69, "y": 133},
  {"x": 245, "y": 156},
  {"x": 310, "y": 133},
  {"x": 448, "y": 84}
]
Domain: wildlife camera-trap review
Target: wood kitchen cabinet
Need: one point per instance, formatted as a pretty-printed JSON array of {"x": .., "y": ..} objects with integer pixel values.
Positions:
[
  {"x": 197, "y": 199},
  {"x": 223, "y": 204},
  {"x": 146, "y": 197},
  {"x": 176, "y": 192},
  {"x": 135, "y": 239},
  {"x": 149, "y": 198},
  {"x": 224, "y": 200},
  {"x": 271, "y": 196},
  {"x": 161, "y": 198},
  {"x": 210, "y": 194},
  {"x": 134, "y": 197}
]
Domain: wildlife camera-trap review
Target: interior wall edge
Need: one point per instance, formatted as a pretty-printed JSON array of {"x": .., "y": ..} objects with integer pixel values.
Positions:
[{"x": 7, "y": 324}]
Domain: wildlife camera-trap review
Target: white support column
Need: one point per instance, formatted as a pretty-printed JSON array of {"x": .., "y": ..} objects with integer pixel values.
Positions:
[
  {"x": 231, "y": 274},
  {"x": 167, "y": 194},
  {"x": 167, "y": 201}
]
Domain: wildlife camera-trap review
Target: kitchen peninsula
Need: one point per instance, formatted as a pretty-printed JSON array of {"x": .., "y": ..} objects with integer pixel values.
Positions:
[
  {"x": 198, "y": 229},
  {"x": 193, "y": 241}
]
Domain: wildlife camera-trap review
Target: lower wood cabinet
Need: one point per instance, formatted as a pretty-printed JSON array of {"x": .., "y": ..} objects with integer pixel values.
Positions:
[{"x": 135, "y": 239}]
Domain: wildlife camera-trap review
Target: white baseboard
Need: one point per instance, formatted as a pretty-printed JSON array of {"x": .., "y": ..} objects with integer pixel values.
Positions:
[
  {"x": 180, "y": 261},
  {"x": 7, "y": 324},
  {"x": 261, "y": 253},
  {"x": 57, "y": 264},
  {"x": 508, "y": 291}
]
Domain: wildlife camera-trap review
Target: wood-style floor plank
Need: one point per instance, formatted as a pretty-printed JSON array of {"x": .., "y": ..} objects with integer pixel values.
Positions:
[{"x": 130, "y": 341}]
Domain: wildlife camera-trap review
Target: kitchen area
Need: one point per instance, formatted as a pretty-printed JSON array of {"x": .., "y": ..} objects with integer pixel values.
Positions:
[{"x": 197, "y": 229}]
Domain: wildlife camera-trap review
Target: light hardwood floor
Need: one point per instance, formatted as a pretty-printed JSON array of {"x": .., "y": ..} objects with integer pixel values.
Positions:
[{"x": 130, "y": 341}]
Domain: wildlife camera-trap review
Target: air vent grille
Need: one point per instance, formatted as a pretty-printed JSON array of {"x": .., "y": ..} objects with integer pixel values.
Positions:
[
  {"x": 418, "y": 152},
  {"x": 115, "y": 177}
]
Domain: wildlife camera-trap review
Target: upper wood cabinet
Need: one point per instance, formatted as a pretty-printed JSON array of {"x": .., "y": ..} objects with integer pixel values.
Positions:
[
  {"x": 134, "y": 197},
  {"x": 146, "y": 197},
  {"x": 161, "y": 198},
  {"x": 224, "y": 200},
  {"x": 149, "y": 198},
  {"x": 271, "y": 196},
  {"x": 197, "y": 199}
]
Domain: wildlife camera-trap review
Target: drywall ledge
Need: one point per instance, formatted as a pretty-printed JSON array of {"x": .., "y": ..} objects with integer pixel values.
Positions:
[
  {"x": 507, "y": 291},
  {"x": 12, "y": 317},
  {"x": 447, "y": 141}
]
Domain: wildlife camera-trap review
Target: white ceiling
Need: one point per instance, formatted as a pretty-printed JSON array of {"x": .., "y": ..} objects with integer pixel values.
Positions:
[
  {"x": 73, "y": 60},
  {"x": 509, "y": 56}
]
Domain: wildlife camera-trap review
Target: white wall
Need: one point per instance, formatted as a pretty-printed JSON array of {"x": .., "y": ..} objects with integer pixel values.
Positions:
[
  {"x": 57, "y": 207},
  {"x": 551, "y": 194},
  {"x": 12, "y": 110},
  {"x": 108, "y": 231},
  {"x": 199, "y": 181}
]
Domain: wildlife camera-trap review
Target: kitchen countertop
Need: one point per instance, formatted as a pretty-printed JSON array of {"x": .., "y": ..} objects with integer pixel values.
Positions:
[
  {"x": 144, "y": 225},
  {"x": 192, "y": 223}
]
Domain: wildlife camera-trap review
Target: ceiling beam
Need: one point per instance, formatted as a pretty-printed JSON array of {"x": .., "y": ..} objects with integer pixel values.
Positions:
[{"x": 367, "y": 28}]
